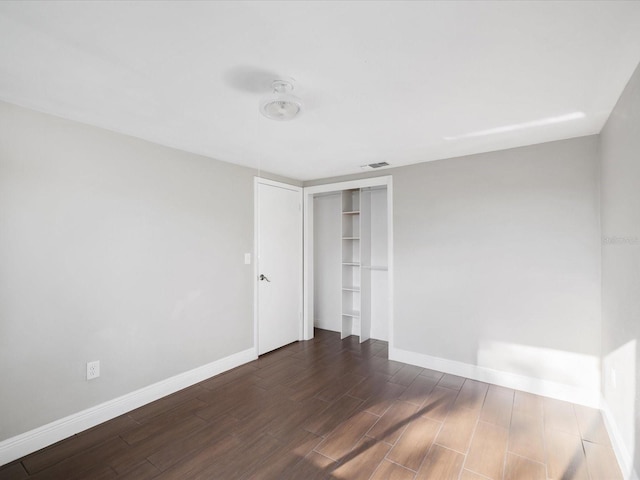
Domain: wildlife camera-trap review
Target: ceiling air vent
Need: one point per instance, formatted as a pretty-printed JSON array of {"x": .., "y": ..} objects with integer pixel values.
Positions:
[{"x": 374, "y": 165}]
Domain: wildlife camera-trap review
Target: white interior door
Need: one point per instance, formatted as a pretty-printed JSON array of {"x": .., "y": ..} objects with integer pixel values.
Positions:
[{"x": 279, "y": 264}]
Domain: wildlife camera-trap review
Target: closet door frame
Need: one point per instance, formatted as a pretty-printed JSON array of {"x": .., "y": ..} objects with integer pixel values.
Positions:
[{"x": 308, "y": 284}]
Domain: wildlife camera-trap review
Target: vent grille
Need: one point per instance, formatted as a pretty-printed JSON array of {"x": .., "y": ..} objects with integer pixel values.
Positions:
[{"x": 375, "y": 165}]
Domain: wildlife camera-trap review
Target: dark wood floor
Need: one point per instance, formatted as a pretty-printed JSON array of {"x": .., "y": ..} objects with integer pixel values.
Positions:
[{"x": 336, "y": 409}]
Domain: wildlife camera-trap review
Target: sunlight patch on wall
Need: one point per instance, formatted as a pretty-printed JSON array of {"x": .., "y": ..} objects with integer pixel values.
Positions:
[
  {"x": 619, "y": 368},
  {"x": 567, "y": 368}
]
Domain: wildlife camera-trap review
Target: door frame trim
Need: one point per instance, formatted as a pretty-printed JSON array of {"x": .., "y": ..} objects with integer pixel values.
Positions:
[
  {"x": 256, "y": 261},
  {"x": 308, "y": 286}
]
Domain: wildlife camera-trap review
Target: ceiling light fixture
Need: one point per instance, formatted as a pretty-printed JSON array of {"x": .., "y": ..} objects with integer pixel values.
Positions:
[
  {"x": 521, "y": 126},
  {"x": 281, "y": 104}
]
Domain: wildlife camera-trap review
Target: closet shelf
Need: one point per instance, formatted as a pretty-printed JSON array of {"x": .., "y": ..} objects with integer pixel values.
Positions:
[
  {"x": 351, "y": 238},
  {"x": 351, "y": 289},
  {"x": 351, "y": 314},
  {"x": 353, "y": 212},
  {"x": 350, "y": 264}
]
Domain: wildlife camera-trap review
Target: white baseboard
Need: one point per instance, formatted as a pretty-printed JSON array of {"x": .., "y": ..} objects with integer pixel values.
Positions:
[
  {"x": 537, "y": 386},
  {"x": 625, "y": 459},
  {"x": 33, "y": 440}
]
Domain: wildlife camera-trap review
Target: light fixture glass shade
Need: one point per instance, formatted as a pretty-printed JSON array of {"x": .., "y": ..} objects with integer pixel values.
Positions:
[{"x": 281, "y": 105}]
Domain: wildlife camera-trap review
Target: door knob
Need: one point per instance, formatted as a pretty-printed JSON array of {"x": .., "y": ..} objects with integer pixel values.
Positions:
[{"x": 263, "y": 277}]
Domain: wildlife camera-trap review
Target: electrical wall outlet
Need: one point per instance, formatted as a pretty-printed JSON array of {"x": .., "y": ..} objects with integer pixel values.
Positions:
[{"x": 93, "y": 370}]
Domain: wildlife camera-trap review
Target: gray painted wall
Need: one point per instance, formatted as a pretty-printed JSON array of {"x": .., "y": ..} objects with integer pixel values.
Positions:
[
  {"x": 497, "y": 260},
  {"x": 620, "y": 152},
  {"x": 118, "y": 250},
  {"x": 327, "y": 267}
]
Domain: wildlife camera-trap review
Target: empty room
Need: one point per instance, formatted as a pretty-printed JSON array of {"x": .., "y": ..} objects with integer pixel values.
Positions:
[{"x": 357, "y": 240}]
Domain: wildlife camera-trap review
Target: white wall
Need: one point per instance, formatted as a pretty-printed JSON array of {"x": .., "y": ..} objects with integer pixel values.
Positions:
[
  {"x": 620, "y": 152},
  {"x": 327, "y": 234},
  {"x": 118, "y": 250}
]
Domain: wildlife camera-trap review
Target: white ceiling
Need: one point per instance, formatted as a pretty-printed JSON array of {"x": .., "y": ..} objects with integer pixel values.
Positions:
[{"x": 402, "y": 82}]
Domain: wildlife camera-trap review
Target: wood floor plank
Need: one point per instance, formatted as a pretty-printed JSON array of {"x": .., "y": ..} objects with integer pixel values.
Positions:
[
  {"x": 591, "y": 425},
  {"x": 183, "y": 446},
  {"x": 296, "y": 419},
  {"x": 160, "y": 407},
  {"x": 362, "y": 461},
  {"x": 381, "y": 400},
  {"x": 374, "y": 383},
  {"x": 441, "y": 463},
  {"x": 472, "y": 394},
  {"x": 310, "y": 385},
  {"x": 526, "y": 434},
  {"x": 528, "y": 404},
  {"x": 244, "y": 460},
  {"x": 194, "y": 464},
  {"x": 432, "y": 374},
  {"x": 520, "y": 468},
  {"x": 406, "y": 375},
  {"x": 161, "y": 423},
  {"x": 13, "y": 471},
  {"x": 312, "y": 467},
  {"x": 138, "y": 452},
  {"x": 488, "y": 450},
  {"x": 469, "y": 475},
  {"x": 298, "y": 446},
  {"x": 243, "y": 371},
  {"x": 142, "y": 471},
  {"x": 333, "y": 415},
  {"x": 601, "y": 461},
  {"x": 222, "y": 400},
  {"x": 418, "y": 391},
  {"x": 560, "y": 416},
  {"x": 93, "y": 462},
  {"x": 344, "y": 438},
  {"x": 458, "y": 429},
  {"x": 498, "y": 405},
  {"x": 384, "y": 365},
  {"x": 413, "y": 445},
  {"x": 451, "y": 381},
  {"x": 390, "y": 426},
  {"x": 392, "y": 471},
  {"x": 339, "y": 386},
  {"x": 565, "y": 456},
  {"x": 438, "y": 403},
  {"x": 49, "y": 456}
]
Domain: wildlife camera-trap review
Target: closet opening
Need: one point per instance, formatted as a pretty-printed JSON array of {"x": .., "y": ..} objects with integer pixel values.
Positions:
[{"x": 348, "y": 264}]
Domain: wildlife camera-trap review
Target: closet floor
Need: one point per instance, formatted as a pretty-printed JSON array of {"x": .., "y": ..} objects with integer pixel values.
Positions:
[{"x": 331, "y": 408}]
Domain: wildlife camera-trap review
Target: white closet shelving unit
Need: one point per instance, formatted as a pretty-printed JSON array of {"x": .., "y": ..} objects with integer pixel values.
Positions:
[
  {"x": 351, "y": 266},
  {"x": 356, "y": 280}
]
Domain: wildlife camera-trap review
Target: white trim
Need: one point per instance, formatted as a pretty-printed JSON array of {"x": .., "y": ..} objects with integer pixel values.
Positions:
[
  {"x": 273, "y": 183},
  {"x": 390, "y": 268},
  {"x": 625, "y": 459},
  {"x": 351, "y": 184},
  {"x": 309, "y": 192},
  {"x": 33, "y": 440},
  {"x": 307, "y": 267},
  {"x": 256, "y": 258},
  {"x": 569, "y": 393},
  {"x": 256, "y": 223}
]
